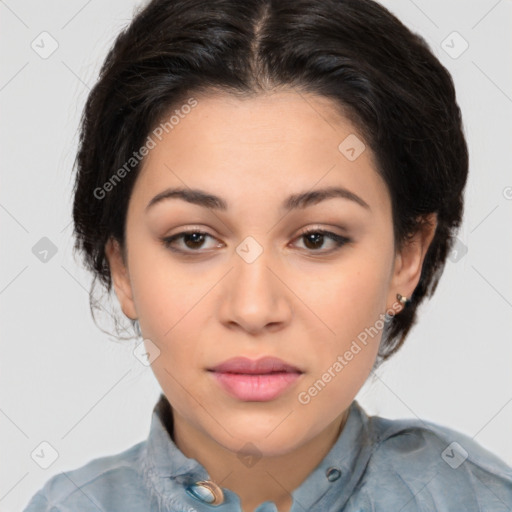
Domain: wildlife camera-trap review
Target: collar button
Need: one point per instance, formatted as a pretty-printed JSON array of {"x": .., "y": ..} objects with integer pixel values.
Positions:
[
  {"x": 206, "y": 491},
  {"x": 332, "y": 474}
]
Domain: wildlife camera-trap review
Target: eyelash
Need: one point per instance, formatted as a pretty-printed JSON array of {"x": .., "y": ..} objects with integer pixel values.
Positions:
[{"x": 337, "y": 239}]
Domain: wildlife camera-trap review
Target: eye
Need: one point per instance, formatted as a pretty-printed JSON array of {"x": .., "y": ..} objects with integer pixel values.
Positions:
[
  {"x": 193, "y": 240},
  {"x": 315, "y": 238}
]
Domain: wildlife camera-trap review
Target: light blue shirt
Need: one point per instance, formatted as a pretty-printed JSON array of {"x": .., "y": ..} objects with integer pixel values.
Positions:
[{"x": 376, "y": 465}]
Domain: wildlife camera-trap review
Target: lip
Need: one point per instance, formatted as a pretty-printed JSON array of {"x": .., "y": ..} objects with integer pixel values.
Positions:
[
  {"x": 266, "y": 364},
  {"x": 257, "y": 380}
]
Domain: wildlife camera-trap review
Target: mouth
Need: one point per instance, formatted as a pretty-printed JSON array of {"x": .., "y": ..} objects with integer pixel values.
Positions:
[
  {"x": 258, "y": 380},
  {"x": 261, "y": 366}
]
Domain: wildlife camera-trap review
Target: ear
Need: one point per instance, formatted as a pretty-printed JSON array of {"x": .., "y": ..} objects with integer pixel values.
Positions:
[
  {"x": 120, "y": 278},
  {"x": 409, "y": 260}
]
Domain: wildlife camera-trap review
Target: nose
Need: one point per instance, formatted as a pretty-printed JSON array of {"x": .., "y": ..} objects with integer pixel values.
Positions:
[{"x": 255, "y": 297}]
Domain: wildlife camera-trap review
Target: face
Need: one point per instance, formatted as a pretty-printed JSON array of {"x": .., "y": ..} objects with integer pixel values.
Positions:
[{"x": 246, "y": 281}]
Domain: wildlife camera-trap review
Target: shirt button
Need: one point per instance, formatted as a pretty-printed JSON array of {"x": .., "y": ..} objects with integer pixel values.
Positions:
[
  {"x": 206, "y": 491},
  {"x": 332, "y": 474}
]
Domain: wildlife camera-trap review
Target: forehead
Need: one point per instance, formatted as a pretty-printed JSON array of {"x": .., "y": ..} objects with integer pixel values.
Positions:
[{"x": 273, "y": 144}]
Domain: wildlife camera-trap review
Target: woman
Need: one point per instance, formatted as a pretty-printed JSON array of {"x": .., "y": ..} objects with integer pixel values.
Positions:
[{"x": 272, "y": 189}]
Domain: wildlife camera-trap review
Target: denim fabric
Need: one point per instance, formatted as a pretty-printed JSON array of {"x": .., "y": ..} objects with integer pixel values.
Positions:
[{"x": 376, "y": 464}]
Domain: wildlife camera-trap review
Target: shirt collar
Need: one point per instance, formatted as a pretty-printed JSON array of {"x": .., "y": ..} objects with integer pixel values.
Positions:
[
  {"x": 166, "y": 459},
  {"x": 334, "y": 478},
  {"x": 341, "y": 469}
]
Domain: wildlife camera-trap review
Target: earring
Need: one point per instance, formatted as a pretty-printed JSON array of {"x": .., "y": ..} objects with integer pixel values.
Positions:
[
  {"x": 403, "y": 300},
  {"x": 136, "y": 327}
]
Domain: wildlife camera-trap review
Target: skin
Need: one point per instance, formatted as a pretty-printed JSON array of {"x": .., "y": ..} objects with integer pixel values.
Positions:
[{"x": 298, "y": 301}]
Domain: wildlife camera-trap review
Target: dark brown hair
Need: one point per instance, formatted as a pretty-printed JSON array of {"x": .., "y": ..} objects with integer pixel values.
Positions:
[{"x": 382, "y": 76}]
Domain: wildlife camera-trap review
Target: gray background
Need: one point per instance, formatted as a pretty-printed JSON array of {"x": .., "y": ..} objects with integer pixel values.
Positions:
[{"x": 65, "y": 382}]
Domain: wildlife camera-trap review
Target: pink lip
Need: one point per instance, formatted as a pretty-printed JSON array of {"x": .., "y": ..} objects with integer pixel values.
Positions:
[{"x": 255, "y": 381}]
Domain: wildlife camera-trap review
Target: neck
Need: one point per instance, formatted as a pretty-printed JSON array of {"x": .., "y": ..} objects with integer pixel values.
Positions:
[{"x": 270, "y": 478}]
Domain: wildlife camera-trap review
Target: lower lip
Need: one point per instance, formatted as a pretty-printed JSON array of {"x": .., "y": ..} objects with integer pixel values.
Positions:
[{"x": 256, "y": 388}]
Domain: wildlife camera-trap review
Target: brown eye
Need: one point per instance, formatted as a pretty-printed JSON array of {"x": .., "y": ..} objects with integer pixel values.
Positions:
[
  {"x": 192, "y": 241},
  {"x": 315, "y": 239},
  {"x": 195, "y": 240}
]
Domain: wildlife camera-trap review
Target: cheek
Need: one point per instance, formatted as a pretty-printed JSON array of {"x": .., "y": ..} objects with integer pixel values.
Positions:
[
  {"x": 163, "y": 295},
  {"x": 169, "y": 315},
  {"x": 343, "y": 354},
  {"x": 349, "y": 303},
  {"x": 172, "y": 310},
  {"x": 350, "y": 296}
]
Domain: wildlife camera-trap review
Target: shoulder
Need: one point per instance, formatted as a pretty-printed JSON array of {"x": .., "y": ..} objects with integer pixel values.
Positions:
[
  {"x": 85, "y": 487},
  {"x": 435, "y": 466}
]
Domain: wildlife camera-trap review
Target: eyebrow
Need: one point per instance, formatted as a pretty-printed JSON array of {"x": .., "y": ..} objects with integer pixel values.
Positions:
[{"x": 296, "y": 201}]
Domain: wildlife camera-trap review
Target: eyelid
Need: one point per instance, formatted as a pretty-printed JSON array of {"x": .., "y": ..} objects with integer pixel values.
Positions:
[{"x": 320, "y": 228}]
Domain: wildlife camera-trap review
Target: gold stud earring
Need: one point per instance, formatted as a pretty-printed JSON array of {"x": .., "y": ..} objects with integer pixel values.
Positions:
[{"x": 403, "y": 300}]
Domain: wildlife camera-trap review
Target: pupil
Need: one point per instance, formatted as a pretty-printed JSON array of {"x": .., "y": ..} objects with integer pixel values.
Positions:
[
  {"x": 315, "y": 238},
  {"x": 194, "y": 237}
]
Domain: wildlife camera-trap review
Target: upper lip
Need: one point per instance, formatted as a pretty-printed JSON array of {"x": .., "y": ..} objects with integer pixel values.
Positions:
[{"x": 262, "y": 365}]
